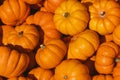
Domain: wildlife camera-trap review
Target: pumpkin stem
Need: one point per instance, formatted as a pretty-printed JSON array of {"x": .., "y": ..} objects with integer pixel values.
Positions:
[
  {"x": 42, "y": 46},
  {"x": 65, "y": 77},
  {"x": 102, "y": 13},
  {"x": 117, "y": 59},
  {"x": 66, "y": 14},
  {"x": 20, "y": 33}
]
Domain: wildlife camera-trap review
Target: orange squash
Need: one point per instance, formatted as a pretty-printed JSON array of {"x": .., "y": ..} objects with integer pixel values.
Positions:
[
  {"x": 12, "y": 62},
  {"x": 71, "y": 17},
  {"x": 71, "y": 70},
  {"x": 20, "y": 78},
  {"x": 51, "y": 54},
  {"x": 45, "y": 21},
  {"x": 39, "y": 73},
  {"x": 105, "y": 56},
  {"x": 14, "y": 12},
  {"x": 104, "y": 16},
  {"x": 102, "y": 77},
  {"x": 83, "y": 45},
  {"x": 26, "y": 36},
  {"x": 32, "y": 1}
]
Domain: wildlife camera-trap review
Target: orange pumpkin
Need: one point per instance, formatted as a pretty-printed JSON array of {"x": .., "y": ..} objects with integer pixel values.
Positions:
[
  {"x": 32, "y": 1},
  {"x": 102, "y": 77},
  {"x": 20, "y": 78},
  {"x": 26, "y": 36},
  {"x": 51, "y": 5},
  {"x": 14, "y": 12},
  {"x": 83, "y": 45},
  {"x": 104, "y": 16},
  {"x": 105, "y": 55},
  {"x": 45, "y": 21},
  {"x": 71, "y": 17},
  {"x": 51, "y": 54},
  {"x": 12, "y": 63},
  {"x": 71, "y": 70},
  {"x": 39, "y": 73},
  {"x": 116, "y": 35}
]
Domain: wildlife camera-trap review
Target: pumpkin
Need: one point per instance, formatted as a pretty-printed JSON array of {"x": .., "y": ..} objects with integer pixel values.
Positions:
[
  {"x": 104, "y": 18},
  {"x": 71, "y": 70},
  {"x": 102, "y": 77},
  {"x": 51, "y": 5},
  {"x": 49, "y": 55},
  {"x": 20, "y": 78},
  {"x": 12, "y": 62},
  {"x": 45, "y": 21},
  {"x": 14, "y": 12},
  {"x": 116, "y": 35},
  {"x": 39, "y": 73},
  {"x": 83, "y": 45},
  {"x": 71, "y": 17},
  {"x": 26, "y": 36},
  {"x": 108, "y": 37},
  {"x": 32, "y": 1},
  {"x": 105, "y": 56}
]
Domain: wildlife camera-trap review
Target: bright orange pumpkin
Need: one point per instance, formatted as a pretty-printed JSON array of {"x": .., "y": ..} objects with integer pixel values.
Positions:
[
  {"x": 20, "y": 78},
  {"x": 105, "y": 56},
  {"x": 45, "y": 21},
  {"x": 71, "y": 17},
  {"x": 71, "y": 70},
  {"x": 14, "y": 12},
  {"x": 102, "y": 77},
  {"x": 49, "y": 55},
  {"x": 26, "y": 36},
  {"x": 104, "y": 16},
  {"x": 39, "y": 73},
  {"x": 83, "y": 45},
  {"x": 32, "y": 1},
  {"x": 12, "y": 62}
]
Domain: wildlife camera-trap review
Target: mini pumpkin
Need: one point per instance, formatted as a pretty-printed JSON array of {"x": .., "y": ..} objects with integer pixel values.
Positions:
[
  {"x": 32, "y": 1},
  {"x": 105, "y": 56},
  {"x": 83, "y": 45},
  {"x": 39, "y": 73},
  {"x": 104, "y": 16},
  {"x": 26, "y": 36},
  {"x": 20, "y": 78},
  {"x": 71, "y": 70},
  {"x": 12, "y": 62},
  {"x": 45, "y": 21},
  {"x": 51, "y": 54},
  {"x": 71, "y": 17},
  {"x": 14, "y": 12},
  {"x": 102, "y": 77}
]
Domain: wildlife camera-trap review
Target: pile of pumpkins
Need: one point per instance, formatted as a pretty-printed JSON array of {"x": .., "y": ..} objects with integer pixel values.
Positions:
[{"x": 59, "y": 40}]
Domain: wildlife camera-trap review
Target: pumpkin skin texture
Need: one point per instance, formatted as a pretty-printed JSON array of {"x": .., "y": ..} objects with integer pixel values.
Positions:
[
  {"x": 51, "y": 54},
  {"x": 26, "y": 36},
  {"x": 40, "y": 74},
  {"x": 68, "y": 18},
  {"x": 51, "y": 5},
  {"x": 83, "y": 45},
  {"x": 32, "y": 1},
  {"x": 19, "y": 78},
  {"x": 105, "y": 55},
  {"x": 116, "y": 35},
  {"x": 103, "y": 17},
  {"x": 12, "y": 63},
  {"x": 45, "y": 21},
  {"x": 14, "y": 12},
  {"x": 71, "y": 70},
  {"x": 102, "y": 77}
]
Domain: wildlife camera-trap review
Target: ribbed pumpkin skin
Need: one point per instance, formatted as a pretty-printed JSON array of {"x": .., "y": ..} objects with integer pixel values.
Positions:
[
  {"x": 14, "y": 12},
  {"x": 45, "y": 21},
  {"x": 20, "y": 78},
  {"x": 12, "y": 63},
  {"x": 104, "y": 17},
  {"x": 106, "y": 53},
  {"x": 51, "y": 54},
  {"x": 71, "y": 70},
  {"x": 68, "y": 18},
  {"x": 40, "y": 73},
  {"x": 32, "y": 1},
  {"x": 83, "y": 45},
  {"x": 26, "y": 36},
  {"x": 102, "y": 77}
]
